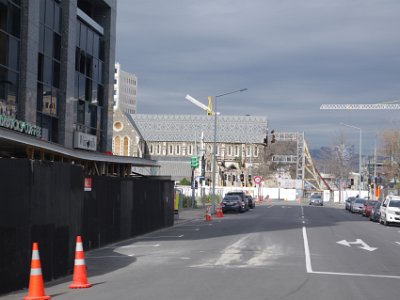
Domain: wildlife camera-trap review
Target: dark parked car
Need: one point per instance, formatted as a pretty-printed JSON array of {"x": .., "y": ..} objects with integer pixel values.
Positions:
[
  {"x": 357, "y": 205},
  {"x": 368, "y": 207},
  {"x": 316, "y": 199},
  {"x": 232, "y": 202},
  {"x": 242, "y": 196},
  {"x": 252, "y": 203},
  {"x": 348, "y": 202},
  {"x": 375, "y": 212}
]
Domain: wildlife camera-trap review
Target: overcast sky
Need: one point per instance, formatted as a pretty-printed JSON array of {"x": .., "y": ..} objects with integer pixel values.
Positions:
[{"x": 291, "y": 55}]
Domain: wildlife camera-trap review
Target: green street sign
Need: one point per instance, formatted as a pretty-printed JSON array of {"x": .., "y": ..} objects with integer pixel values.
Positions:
[{"x": 194, "y": 162}]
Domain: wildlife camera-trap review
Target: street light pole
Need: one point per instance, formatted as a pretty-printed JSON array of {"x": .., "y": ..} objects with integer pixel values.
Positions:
[
  {"x": 214, "y": 156},
  {"x": 359, "y": 159}
]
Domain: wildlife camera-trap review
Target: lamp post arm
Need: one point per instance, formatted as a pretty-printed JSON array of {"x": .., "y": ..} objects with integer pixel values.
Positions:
[{"x": 241, "y": 90}]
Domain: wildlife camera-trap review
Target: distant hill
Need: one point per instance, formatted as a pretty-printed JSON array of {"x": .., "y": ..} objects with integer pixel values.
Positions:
[{"x": 319, "y": 156}]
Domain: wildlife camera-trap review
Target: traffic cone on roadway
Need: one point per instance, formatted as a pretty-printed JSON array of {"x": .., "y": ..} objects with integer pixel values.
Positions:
[
  {"x": 208, "y": 214},
  {"x": 79, "y": 280},
  {"x": 219, "y": 213},
  {"x": 36, "y": 286}
]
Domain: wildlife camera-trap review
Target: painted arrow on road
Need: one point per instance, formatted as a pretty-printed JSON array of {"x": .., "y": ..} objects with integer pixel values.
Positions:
[{"x": 360, "y": 242}]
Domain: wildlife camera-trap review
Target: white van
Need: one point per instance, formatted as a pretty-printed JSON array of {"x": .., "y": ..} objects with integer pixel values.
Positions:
[{"x": 390, "y": 210}]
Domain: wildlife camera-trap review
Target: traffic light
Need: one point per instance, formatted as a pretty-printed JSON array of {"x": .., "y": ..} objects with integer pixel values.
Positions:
[
  {"x": 273, "y": 136},
  {"x": 194, "y": 162},
  {"x": 242, "y": 177},
  {"x": 196, "y": 184}
]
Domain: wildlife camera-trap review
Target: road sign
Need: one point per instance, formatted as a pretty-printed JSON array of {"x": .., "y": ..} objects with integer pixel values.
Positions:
[{"x": 257, "y": 179}]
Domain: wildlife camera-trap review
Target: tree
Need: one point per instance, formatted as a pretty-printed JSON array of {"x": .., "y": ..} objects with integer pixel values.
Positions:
[
  {"x": 339, "y": 158},
  {"x": 184, "y": 181},
  {"x": 390, "y": 149}
]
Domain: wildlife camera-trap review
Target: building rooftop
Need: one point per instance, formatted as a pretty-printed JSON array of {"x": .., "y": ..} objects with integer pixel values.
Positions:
[{"x": 178, "y": 128}]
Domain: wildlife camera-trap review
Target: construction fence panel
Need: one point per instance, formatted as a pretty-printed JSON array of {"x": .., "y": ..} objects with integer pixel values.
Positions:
[{"x": 46, "y": 203}]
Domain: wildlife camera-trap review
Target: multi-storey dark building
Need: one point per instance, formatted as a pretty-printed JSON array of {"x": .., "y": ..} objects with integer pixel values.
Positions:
[{"x": 57, "y": 71}]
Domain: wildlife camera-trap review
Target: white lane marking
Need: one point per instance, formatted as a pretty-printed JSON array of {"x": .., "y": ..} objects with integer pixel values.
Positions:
[
  {"x": 237, "y": 255},
  {"x": 135, "y": 246},
  {"x": 310, "y": 271},
  {"x": 231, "y": 253},
  {"x": 357, "y": 275},
  {"x": 307, "y": 251},
  {"x": 262, "y": 258},
  {"x": 162, "y": 236},
  {"x": 363, "y": 245},
  {"x": 398, "y": 243},
  {"x": 111, "y": 256}
]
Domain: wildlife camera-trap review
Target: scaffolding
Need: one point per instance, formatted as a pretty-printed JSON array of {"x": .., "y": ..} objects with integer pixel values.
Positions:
[{"x": 305, "y": 168}]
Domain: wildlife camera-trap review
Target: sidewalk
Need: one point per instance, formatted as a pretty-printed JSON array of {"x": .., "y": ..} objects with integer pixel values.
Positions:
[{"x": 189, "y": 214}]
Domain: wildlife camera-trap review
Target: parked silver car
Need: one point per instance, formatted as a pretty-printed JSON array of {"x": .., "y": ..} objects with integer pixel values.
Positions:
[
  {"x": 357, "y": 205},
  {"x": 316, "y": 199}
]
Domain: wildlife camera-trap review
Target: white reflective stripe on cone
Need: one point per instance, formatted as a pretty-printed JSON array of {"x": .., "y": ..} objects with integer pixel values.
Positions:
[
  {"x": 79, "y": 247},
  {"x": 36, "y": 271},
  {"x": 35, "y": 255},
  {"x": 79, "y": 262}
]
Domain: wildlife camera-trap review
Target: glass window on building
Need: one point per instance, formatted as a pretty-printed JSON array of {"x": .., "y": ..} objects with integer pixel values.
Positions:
[
  {"x": 49, "y": 69},
  {"x": 89, "y": 65},
  {"x": 3, "y": 15}
]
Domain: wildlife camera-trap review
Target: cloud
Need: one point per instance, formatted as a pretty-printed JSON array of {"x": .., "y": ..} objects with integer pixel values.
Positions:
[{"x": 292, "y": 56}]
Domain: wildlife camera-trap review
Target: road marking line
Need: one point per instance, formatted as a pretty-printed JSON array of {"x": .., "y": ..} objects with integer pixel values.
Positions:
[
  {"x": 110, "y": 256},
  {"x": 357, "y": 274},
  {"x": 162, "y": 236},
  {"x": 310, "y": 271},
  {"x": 307, "y": 251},
  {"x": 135, "y": 246},
  {"x": 398, "y": 243}
]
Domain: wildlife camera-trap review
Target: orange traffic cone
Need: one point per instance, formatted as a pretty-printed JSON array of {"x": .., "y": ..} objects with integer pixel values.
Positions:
[
  {"x": 208, "y": 213},
  {"x": 219, "y": 213},
  {"x": 36, "y": 286},
  {"x": 79, "y": 279}
]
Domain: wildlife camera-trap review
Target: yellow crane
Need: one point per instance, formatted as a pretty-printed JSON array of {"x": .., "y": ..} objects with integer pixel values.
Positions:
[{"x": 208, "y": 108}]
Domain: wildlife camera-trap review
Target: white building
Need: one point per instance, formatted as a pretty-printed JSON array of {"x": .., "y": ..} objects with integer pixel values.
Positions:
[{"x": 125, "y": 88}]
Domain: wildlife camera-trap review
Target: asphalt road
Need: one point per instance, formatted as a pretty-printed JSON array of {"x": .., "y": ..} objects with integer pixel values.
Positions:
[{"x": 275, "y": 251}]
